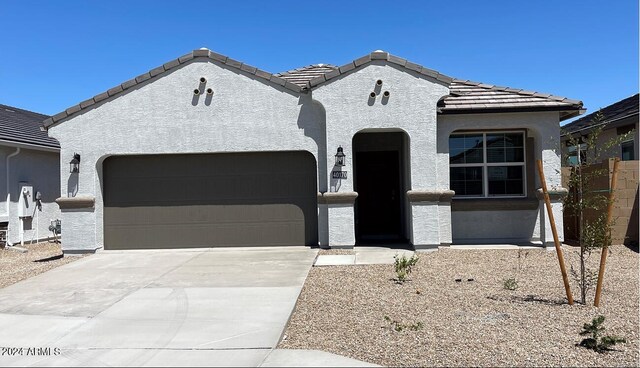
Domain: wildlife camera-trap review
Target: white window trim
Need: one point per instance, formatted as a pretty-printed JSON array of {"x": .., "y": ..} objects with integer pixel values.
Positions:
[{"x": 485, "y": 165}]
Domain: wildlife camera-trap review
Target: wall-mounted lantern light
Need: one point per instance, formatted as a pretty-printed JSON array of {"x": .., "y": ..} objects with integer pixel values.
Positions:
[
  {"x": 340, "y": 157},
  {"x": 74, "y": 164}
]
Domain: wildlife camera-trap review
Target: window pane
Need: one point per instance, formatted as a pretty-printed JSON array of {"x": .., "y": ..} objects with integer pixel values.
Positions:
[
  {"x": 495, "y": 140},
  {"x": 627, "y": 151},
  {"x": 514, "y": 140},
  {"x": 456, "y": 141},
  {"x": 506, "y": 180},
  {"x": 514, "y": 155},
  {"x": 474, "y": 156},
  {"x": 457, "y": 173},
  {"x": 465, "y": 148},
  {"x": 456, "y": 155},
  {"x": 466, "y": 181},
  {"x": 495, "y": 154},
  {"x": 505, "y": 147},
  {"x": 473, "y": 141}
]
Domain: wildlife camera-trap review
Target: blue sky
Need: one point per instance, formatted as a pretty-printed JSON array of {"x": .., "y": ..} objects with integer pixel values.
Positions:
[{"x": 58, "y": 53}]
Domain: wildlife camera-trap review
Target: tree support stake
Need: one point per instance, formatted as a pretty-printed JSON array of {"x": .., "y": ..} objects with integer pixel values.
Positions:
[
  {"x": 603, "y": 256},
  {"x": 556, "y": 241}
]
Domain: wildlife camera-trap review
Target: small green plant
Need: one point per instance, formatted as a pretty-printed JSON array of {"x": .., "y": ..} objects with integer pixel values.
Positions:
[
  {"x": 399, "y": 327},
  {"x": 403, "y": 266},
  {"x": 510, "y": 284},
  {"x": 595, "y": 342}
]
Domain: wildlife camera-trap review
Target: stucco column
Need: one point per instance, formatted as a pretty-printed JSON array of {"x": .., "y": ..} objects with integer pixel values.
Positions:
[
  {"x": 431, "y": 218},
  {"x": 340, "y": 219},
  {"x": 556, "y": 196},
  {"x": 78, "y": 231}
]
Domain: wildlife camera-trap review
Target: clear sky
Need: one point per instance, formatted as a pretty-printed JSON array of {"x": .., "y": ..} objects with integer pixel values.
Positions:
[{"x": 56, "y": 54}]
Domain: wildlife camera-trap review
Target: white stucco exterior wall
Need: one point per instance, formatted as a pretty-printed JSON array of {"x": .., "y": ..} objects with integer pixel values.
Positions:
[
  {"x": 162, "y": 116},
  {"x": 40, "y": 169},
  {"x": 410, "y": 108},
  {"x": 247, "y": 114},
  {"x": 508, "y": 225}
]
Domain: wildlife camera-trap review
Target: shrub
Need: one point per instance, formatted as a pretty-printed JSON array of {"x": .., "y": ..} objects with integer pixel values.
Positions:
[
  {"x": 510, "y": 284},
  {"x": 404, "y": 265},
  {"x": 595, "y": 342},
  {"x": 399, "y": 327}
]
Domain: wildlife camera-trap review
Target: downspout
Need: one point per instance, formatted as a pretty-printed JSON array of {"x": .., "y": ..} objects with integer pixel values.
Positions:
[{"x": 8, "y": 209}]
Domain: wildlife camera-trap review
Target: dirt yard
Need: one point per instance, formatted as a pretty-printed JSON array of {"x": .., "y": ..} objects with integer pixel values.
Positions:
[
  {"x": 41, "y": 257},
  {"x": 342, "y": 310}
]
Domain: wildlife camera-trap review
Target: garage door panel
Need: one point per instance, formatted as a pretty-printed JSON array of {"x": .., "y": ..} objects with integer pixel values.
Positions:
[{"x": 253, "y": 199}]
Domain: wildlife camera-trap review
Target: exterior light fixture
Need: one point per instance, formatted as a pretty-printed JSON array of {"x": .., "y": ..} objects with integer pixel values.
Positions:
[
  {"x": 340, "y": 157},
  {"x": 74, "y": 164}
]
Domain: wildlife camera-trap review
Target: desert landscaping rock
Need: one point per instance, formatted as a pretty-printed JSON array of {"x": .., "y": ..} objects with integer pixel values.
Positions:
[
  {"x": 341, "y": 310},
  {"x": 39, "y": 258}
]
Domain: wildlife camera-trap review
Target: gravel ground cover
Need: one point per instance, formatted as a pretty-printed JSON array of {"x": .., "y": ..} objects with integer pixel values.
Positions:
[
  {"x": 342, "y": 310},
  {"x": 41, "y": 257}
]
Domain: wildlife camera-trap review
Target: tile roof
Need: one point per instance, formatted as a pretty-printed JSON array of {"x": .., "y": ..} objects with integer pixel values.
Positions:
[
  {"x": 302, "y": 76},
  {"x": 466, "y": 96},
  {"x": 614, "y": 112},
  {"x": 22, "y": 126},
  {"x": 469, "y": 96}
]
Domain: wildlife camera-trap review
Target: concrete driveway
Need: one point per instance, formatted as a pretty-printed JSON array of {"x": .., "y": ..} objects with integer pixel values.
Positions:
[{"x": 212, "y": 307}]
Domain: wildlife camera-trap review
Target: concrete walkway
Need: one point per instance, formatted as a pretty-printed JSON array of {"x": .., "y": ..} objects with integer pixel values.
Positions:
[
  {"x": 212, "y": 307},
  {"x": 364, "y": 255}
]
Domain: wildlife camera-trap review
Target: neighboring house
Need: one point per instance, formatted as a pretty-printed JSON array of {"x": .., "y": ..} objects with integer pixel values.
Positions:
[
  {"x": 617, "y": 119},
  {"x": 30, "y": 167},
  {"x": 207, "y": 151}
]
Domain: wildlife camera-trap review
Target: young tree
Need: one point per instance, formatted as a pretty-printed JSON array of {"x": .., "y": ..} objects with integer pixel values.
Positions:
[{"x": 586, "y": 201}]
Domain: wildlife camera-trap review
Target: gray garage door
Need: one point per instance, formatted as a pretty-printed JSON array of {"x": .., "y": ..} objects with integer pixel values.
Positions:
[{"x": 210, "y": 200}]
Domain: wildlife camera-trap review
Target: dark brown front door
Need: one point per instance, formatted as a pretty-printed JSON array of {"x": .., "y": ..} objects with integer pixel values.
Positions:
[
  {"x": 210, "y": 200},
  {"x": 378, "y": 211}
]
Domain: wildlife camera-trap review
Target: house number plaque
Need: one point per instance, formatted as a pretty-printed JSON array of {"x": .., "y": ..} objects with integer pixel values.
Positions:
[{"x": 339, "y": 174}]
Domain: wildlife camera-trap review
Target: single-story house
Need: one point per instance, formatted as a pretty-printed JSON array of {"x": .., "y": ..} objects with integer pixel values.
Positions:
[
  {"x": 208, "y": 151},
  {"x": 30, "y": 184}
]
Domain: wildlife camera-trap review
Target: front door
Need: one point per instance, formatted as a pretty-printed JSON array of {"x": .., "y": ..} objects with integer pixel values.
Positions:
[{"x": 378, "y": 206}]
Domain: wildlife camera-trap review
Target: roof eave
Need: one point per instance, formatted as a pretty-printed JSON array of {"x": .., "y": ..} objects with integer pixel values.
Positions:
[
  {"x": 609, "y": 124},
  {"x": 561, "y": 109},
  {"x": 26, "y": 145}
]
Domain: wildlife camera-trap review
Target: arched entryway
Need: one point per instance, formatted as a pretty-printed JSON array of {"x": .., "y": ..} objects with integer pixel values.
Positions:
[{"x": 381, "y": 179}]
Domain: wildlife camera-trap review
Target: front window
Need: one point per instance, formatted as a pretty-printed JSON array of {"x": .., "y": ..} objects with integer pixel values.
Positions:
[{"x": 487, "y": 164}]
